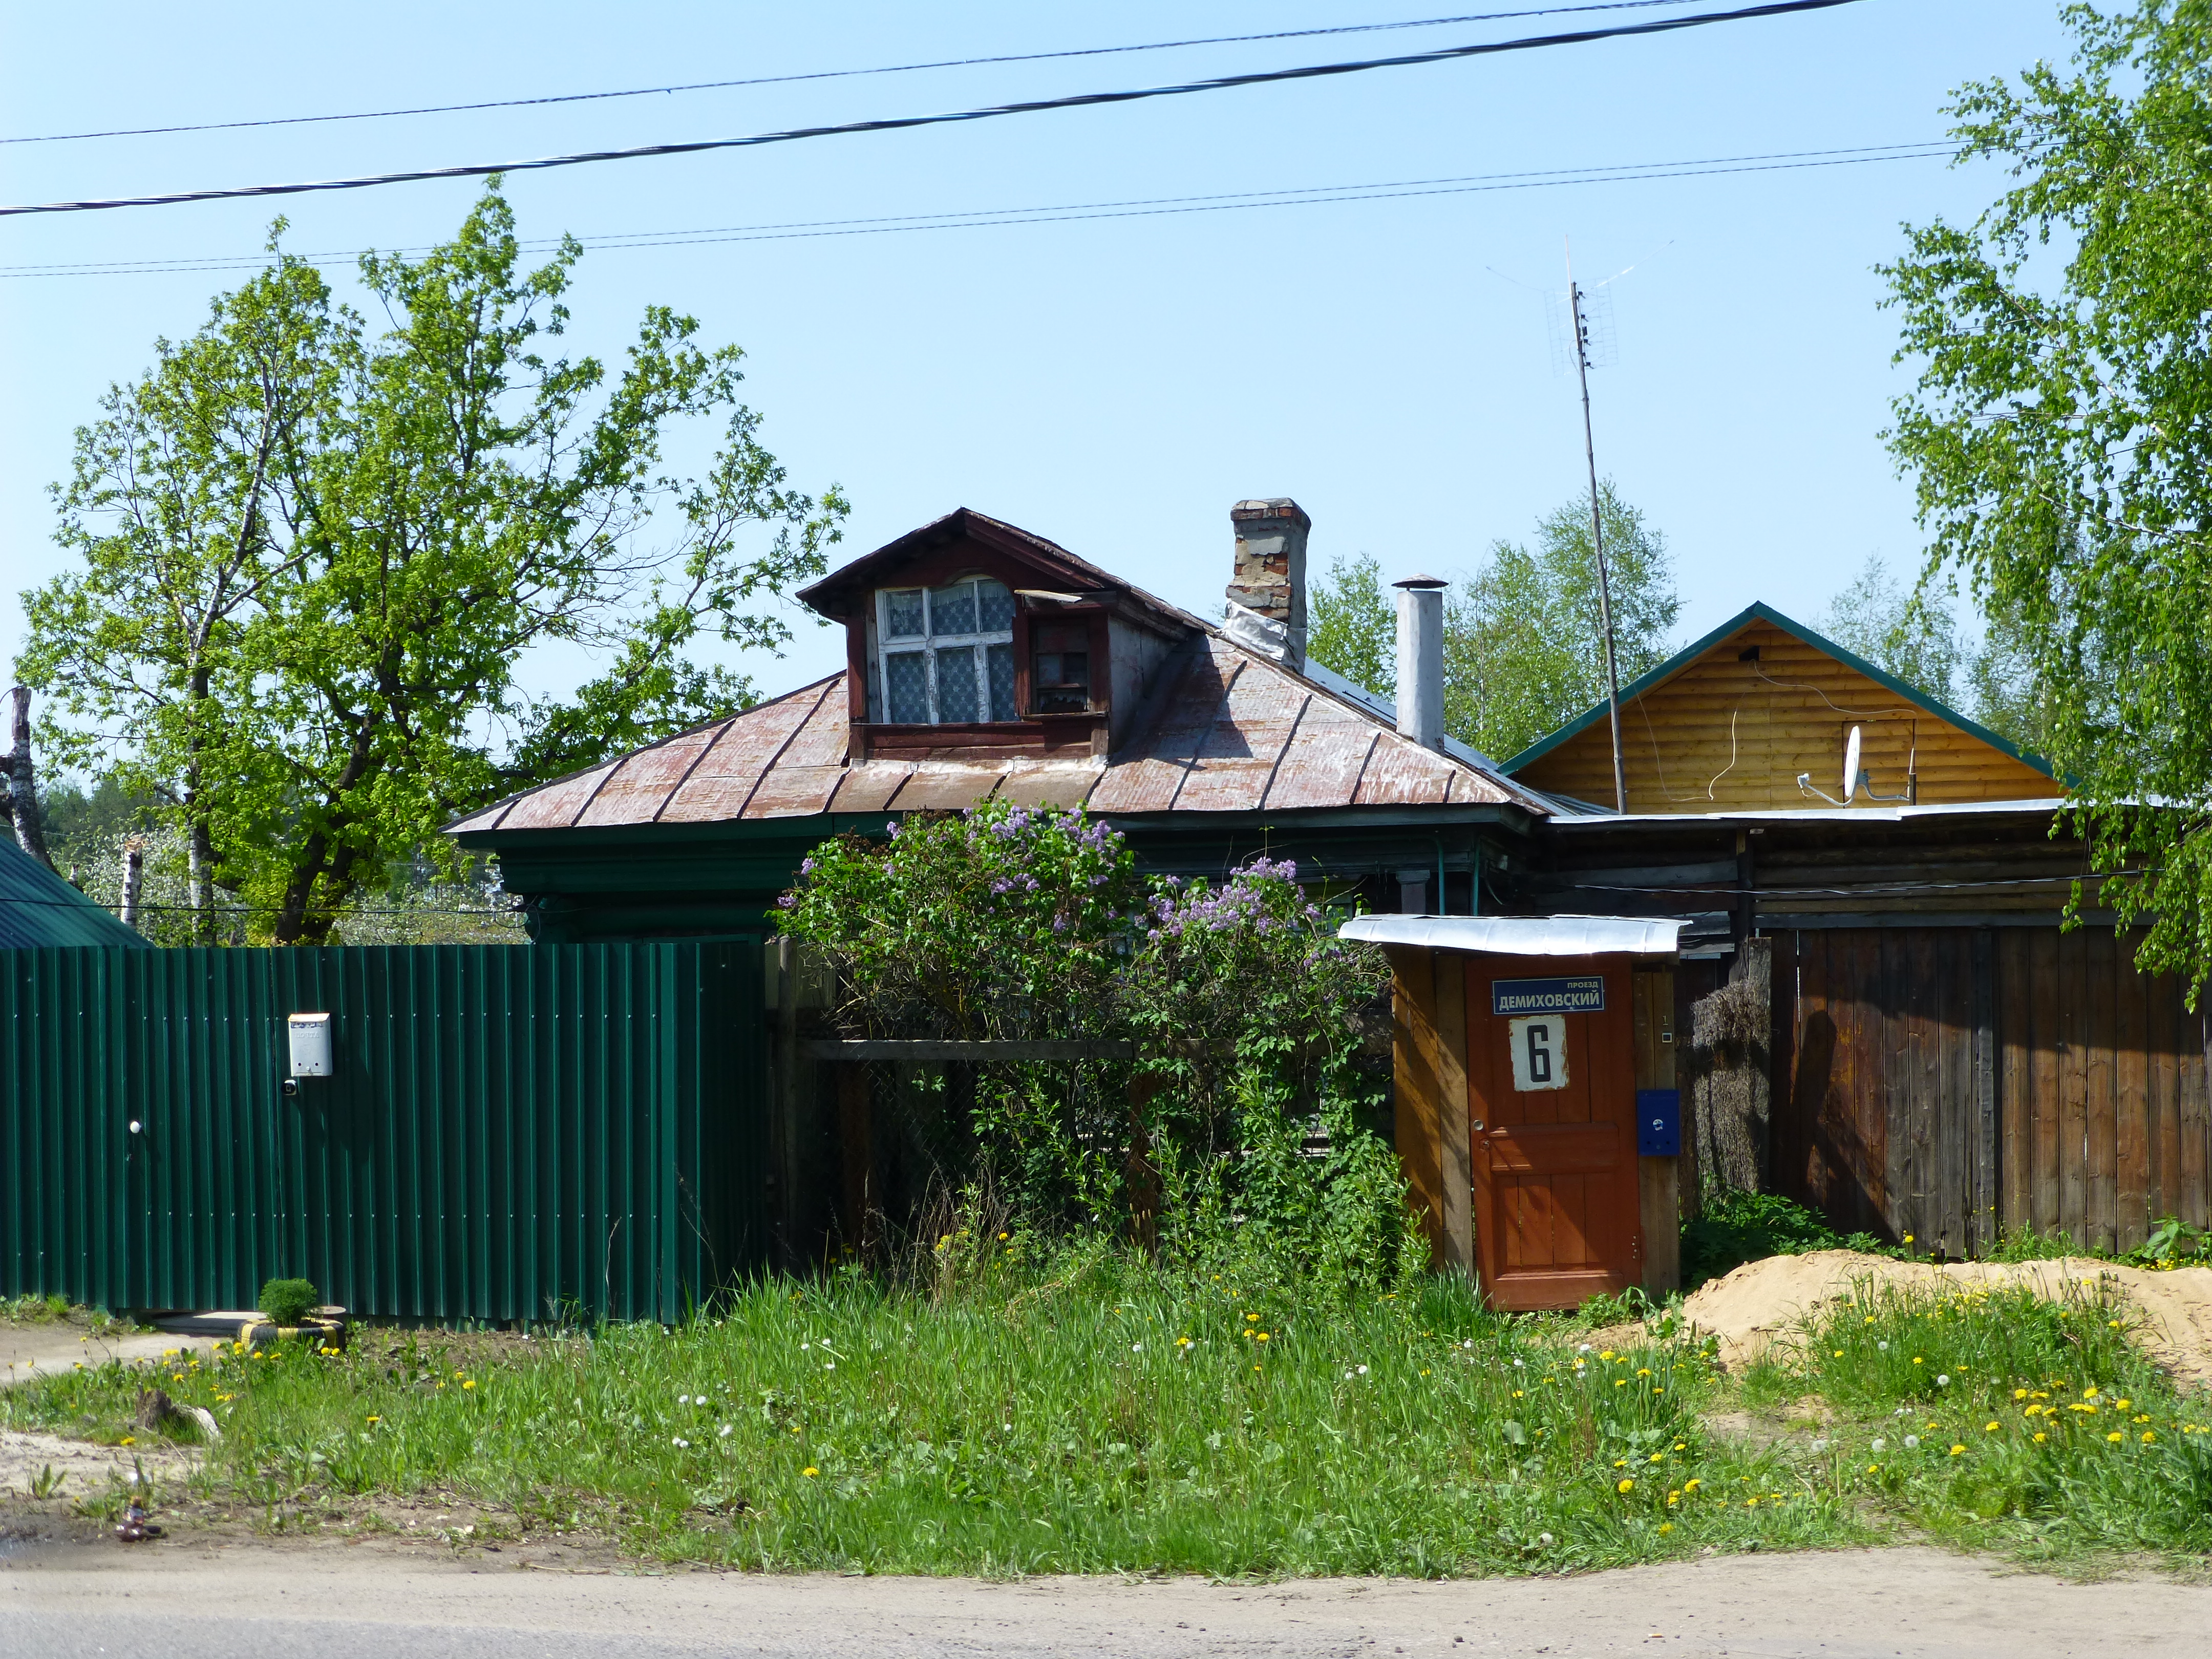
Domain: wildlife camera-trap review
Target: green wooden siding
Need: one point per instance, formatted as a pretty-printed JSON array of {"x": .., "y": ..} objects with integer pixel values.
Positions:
[{"x": 512, "y": 1131}]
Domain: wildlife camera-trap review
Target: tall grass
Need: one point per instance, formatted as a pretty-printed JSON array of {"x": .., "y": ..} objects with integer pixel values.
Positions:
[
  {"x": 1086, "y": 1417},
  {"x": 1993, "y": 1417}
]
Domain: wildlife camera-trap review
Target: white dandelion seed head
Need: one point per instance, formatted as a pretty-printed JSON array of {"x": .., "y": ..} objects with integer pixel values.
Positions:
[
  {"x": 1136, "y": 1347},
  {"x": 1912, "y": 1441},
  {"x": 1880, "y": 1444},
  {"x": 1544, "y": 1538},
  {"x": 724, "y": 1434},
  {"x": 1942, "y": 1381},
  {"x": 1884, "y": 1347},
  {"x": 830, "y": 1365},
  {"x": 1363, "y": 1371}
]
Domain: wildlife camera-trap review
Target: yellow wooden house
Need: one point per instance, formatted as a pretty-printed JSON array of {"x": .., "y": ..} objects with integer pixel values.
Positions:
[{"x": 1734, "y": 721}]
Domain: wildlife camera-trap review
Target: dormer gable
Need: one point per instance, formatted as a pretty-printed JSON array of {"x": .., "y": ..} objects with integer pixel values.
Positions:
[{"x": 970, "y": 638}]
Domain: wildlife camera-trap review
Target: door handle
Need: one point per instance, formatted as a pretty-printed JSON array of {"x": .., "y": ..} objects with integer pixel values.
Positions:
[{"x": 1478, "y": 1126}]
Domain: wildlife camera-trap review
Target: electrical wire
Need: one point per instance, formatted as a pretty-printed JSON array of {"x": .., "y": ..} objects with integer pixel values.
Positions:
[
  {"x": 1140, "y": 207},
  {"x": 1218, "y": 83},
  {"x": 840, "y": 75}
]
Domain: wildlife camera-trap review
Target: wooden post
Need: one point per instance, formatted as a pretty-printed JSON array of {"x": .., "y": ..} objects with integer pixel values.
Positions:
[
  {"x": 1455, "y": 1172},
  {"x": 856, "y": 1152},
  {"x": 1659, "y": 1182},
  {"x": 1982, "y": 1228}
]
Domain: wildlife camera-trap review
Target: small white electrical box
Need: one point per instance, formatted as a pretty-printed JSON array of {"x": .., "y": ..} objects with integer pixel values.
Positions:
[{"x": 311, "y": 1044}]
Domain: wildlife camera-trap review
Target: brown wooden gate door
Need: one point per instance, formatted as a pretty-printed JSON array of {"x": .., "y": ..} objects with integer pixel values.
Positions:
[{"x": 1552, "y": 1099}]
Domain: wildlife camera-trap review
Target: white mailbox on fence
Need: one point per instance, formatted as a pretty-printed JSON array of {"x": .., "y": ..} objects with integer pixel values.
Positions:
[{"x": 311, "y": 1044}]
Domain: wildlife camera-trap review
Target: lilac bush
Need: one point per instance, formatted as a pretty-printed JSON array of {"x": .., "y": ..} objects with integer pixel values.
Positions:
[{"x": 1246, "y": 1123}]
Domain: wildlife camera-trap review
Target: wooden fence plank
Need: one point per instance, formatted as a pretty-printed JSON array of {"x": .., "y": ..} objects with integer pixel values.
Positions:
[
  {"x": 2073, "y": 1083},
  {"x": 2162, "y": 1087},
  {"x": 2016, "y": 1096},
  {"x": 2100, "y": 1210},
  {"x": 2045, "y": 1111},
  {"x": 2130, "y": 1099},
  {"x": 1984, "y": 1199},
  {"x": 1869, "y": 1104},
  {"x": 2196, "y": 1093}
]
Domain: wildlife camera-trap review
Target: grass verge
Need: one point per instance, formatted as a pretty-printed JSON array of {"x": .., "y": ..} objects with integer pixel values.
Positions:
[
  {"x": 1116, "y": 1420},
  {"x": 1996, "y": 1420}
]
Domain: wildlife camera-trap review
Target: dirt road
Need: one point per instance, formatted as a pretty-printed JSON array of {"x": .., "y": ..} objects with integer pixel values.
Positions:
[{"x": 188, "y": 1602}]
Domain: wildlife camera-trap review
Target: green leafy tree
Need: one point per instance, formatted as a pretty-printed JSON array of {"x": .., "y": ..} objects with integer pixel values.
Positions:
[
  {"x": 2058, "y": 440},
  {"x": 1911, "y": 634},
  {"x": 311, "y": 556},
  {"x": 1524, "y": 652},
  {"x": 1351, "y": 625}
]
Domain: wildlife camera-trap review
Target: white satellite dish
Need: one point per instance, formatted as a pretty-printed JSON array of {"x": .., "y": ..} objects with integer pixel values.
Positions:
[{"x": 1852, "y": 747}]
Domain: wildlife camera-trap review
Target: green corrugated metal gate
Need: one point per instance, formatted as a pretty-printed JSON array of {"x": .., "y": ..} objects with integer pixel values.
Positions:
[{"x": 511, "y": 1132}]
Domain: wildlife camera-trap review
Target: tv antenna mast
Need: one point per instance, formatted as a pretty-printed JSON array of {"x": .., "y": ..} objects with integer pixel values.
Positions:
[{"x": 1589, "y": 344}]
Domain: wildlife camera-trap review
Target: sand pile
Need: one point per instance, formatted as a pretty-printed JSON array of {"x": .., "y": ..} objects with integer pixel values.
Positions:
[{"x": 1760, "y": 1301}]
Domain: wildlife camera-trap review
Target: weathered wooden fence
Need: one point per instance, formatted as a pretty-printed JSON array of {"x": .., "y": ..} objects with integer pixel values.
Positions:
[{"x": 1950, "y": 1082}]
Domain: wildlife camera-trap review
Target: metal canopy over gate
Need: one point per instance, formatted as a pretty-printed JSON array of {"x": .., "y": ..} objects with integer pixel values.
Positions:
[{"x": 508, "y": 1133}]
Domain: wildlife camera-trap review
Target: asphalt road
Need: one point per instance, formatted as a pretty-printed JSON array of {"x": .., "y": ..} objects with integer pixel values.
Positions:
[{"x": 358, "y": 1603}]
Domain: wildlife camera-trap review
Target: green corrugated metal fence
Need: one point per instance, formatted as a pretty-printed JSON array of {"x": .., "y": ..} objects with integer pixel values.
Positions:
[{"x": 511, "y": 1132}]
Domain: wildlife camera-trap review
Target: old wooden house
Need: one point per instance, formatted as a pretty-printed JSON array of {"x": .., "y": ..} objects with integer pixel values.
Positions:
[
  {"x": 984, "y": 662},
  {"x": 1870, "y": 1002},
  {"x": 1933, "y": 1054}
]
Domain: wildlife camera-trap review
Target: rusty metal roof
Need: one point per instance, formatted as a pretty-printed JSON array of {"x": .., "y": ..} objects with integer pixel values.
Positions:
[{"x": 1229, "y": 733}]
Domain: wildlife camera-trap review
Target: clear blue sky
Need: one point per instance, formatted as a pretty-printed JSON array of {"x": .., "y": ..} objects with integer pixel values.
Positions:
[{"x": 1115, "y": 383}]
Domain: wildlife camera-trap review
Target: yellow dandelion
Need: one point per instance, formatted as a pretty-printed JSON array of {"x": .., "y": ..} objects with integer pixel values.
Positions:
[
  {"x": 1691, "y": 1486},
  {"x": 1989, "y": 1427},
  {"x": 1624, "y": 1485},
  {"x": 2040, "y": 1437},
  {"x": 2116, "y": 1437},
  {"x": 2149, "y": 1436},
  {"x": 809, "y": 1471},
  {"x": 1666, "y": 1525}
]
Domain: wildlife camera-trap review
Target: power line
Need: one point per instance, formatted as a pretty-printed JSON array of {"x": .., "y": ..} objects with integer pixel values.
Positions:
[
  {"x": 840, "y": 75},
  {"x": 1139, "y": 207},
  {"x": 1219, "y": 83}
]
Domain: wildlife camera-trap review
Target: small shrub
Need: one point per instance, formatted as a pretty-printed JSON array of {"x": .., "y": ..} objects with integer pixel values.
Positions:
[
  {"x": 1737, "y": 1227},
  {"x": 288, "y": 1301}
]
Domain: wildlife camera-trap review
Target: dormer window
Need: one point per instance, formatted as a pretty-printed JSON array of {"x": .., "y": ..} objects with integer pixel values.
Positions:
[{"x": 945, "y": 656}]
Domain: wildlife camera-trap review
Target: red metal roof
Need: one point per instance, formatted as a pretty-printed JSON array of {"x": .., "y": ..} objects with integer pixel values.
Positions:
[{"x": 1235, "y": 733}]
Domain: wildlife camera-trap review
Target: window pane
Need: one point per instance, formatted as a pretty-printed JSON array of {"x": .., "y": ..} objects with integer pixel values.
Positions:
[
  {"x": 908, "y": 682},
  {"x": 996, "y": 613},
  {"x": 1002, "y": 683},
  {"x": 903, "y": 612},
  {"x": 952, "y": 609},
  {"x": 1060, "y": 684},
  {"x": 956, "y": 683}
]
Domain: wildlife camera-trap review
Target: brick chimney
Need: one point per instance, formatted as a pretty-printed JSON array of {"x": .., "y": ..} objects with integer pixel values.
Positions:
[{"x": 1268, "y": 592}]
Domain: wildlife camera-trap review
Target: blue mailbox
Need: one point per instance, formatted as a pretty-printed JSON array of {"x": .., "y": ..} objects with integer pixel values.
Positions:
[{"x": 1658, "y": 1122}]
